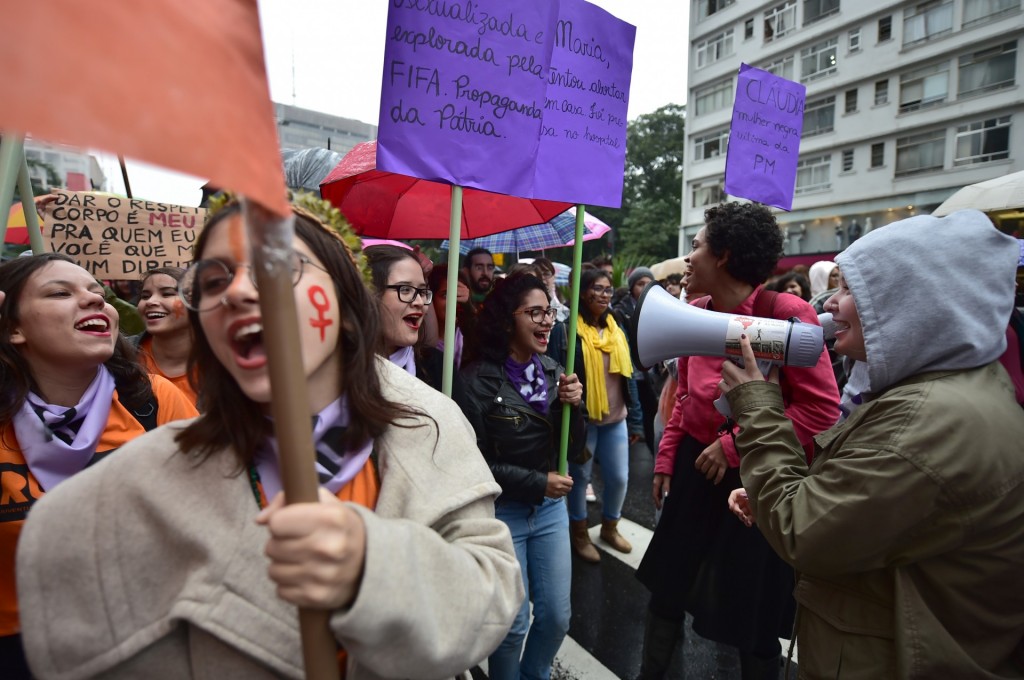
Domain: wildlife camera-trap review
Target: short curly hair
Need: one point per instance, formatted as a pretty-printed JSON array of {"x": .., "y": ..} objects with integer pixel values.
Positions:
[
  {"x": 496, "y": 322},
  {"x": 750, "y": 235}
]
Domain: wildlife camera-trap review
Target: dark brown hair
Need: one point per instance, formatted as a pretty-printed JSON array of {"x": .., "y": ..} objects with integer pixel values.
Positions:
[
  {"x": 231, "y": 419},
  {"x": 133, "y": 386}
]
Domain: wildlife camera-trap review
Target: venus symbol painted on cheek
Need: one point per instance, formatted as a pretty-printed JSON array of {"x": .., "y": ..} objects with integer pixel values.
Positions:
[
  {"x": 319, "y": 299},
  {"x": 177, "y": 309}
]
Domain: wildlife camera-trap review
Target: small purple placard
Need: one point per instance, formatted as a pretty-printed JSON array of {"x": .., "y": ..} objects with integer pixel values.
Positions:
[
  {"x": 529, "y": 101},
  {"x": 583, "y": 136},
  {"x": 764, "y": 142}
]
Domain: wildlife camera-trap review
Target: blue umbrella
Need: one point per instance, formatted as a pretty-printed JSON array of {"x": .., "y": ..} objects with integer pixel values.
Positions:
[{"x": 559, "y": 231}]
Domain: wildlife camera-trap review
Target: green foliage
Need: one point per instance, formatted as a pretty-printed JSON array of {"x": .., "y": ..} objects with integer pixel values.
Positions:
[{"x": 647, "y": 224}]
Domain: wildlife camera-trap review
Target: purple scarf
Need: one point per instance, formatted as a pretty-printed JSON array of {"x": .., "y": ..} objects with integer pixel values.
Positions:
[
  {"x": 58, "y": 441},
  {"x": 458, "y": 346},
  {"x": 530, "y": 381},
  {"x": 404, "y": 358},
  {"x": 334, "y": 467}
]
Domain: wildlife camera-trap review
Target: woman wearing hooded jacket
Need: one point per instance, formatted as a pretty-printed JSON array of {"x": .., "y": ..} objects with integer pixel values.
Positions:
[
  {"x": 907, "y": 529},
  {"x": 513, "y": 399}
]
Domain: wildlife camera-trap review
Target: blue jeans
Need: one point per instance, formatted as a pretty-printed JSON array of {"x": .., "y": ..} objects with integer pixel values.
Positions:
[
  {"x": 610, "y": 446},
  {"x": 541, "y": 538}
]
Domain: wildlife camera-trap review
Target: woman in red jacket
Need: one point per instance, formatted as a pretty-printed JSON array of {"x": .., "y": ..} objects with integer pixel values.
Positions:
[{"x": 701, "y": 559}]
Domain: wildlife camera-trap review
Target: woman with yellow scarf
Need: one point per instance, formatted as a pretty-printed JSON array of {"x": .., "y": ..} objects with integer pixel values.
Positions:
[{"x": 607, "y": 367}]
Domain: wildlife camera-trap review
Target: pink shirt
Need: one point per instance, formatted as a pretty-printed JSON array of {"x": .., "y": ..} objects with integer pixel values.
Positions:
[{"x": 810, "y": 394}]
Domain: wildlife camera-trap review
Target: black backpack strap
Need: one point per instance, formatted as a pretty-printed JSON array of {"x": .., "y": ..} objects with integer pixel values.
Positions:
[
  {"x": 146, "y": 415},
  {"x": 1017, "y": 323}
]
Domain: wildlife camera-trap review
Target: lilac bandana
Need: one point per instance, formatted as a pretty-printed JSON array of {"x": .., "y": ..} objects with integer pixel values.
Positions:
[
  {"x": 530, "y": 380},
  {"x": 404, "y": 358},
  {"x": 334, "y": 467},
  {"x": 58, "y": 441},
  {"x": 458, "y": 346}
]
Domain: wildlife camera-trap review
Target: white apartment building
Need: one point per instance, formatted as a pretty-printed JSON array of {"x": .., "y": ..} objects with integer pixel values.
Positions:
[{"x": 906, "y": 103}]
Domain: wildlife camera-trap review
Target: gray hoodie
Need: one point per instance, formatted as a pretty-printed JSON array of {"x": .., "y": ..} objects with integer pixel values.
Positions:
[{"x": 933, "y": 293}]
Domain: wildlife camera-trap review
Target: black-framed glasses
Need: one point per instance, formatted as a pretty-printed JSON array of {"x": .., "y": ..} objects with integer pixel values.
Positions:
[
  {"x": 204, "y": 283},
  {"x": 538, "y": 314},
  {"x": 600, "y": 290},
  {"x": 407, "y": 293}
]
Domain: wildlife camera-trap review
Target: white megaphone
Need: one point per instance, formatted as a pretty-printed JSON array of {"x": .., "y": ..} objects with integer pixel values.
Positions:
[{"x": 665, "y": 327}]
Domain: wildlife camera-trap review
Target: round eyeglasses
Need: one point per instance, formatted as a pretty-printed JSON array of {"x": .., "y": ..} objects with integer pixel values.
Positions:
[
  {"x": 407, "y": 293},
  {"x": 538, "y": 314},
  {"x": 204, "y": 283}
]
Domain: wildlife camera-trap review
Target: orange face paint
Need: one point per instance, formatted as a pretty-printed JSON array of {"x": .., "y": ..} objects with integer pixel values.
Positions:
[
  {"x": 177, "y": 309},
  {"x": 322, "y": 304}
]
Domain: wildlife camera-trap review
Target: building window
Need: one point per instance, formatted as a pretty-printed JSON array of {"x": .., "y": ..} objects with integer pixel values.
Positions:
[
  {"x": 818, "y": 60},
  {"x": 819, "y": 9},
  {"x": 991, "y": 69},
  {"x": 711, "y": 145},
  {"x": 847, "y": 160},
  {"x": 980, "y": 10},
  {"x": 927, "y": 21},
  {"x": 709, "y": 192},
  {"x": 714, "y": 97},
  {"x": 706, "y": 8},
  {"x": 881, "y": 92},
  {"x": 748, "y": 29},
  {"x": 714, "y": 48},
  {"x": 783, "y": 68},
  {"x": 924, "y": 87},
  {"x": 851, "y": 101},
  {"x": 920, "y": 153},
  {"x": 878, "y": 155},
  {"x": 885, "y": 29},
  {"x": 779, "y": 20},
  {"x": 814, "y": 174},
  {"x": 983, "y": 141},
  {"x": 853, "y": 40},
  {"x": 819, "y": 116}
]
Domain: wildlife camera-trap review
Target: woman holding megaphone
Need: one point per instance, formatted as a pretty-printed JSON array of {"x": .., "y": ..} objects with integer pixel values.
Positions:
[{"x": 702, "y": 560}]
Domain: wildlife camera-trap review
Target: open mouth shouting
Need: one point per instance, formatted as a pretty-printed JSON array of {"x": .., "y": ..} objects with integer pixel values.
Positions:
[
  {"x": 246, "y": 337},
  {"x": 413, "y": 320},
  {"x": 542, "y": 336},
  {"x": 95, "y": 324}
]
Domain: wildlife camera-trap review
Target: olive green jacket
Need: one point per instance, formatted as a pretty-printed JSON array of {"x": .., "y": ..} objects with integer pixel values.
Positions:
[{"x": 907, "y": 530}]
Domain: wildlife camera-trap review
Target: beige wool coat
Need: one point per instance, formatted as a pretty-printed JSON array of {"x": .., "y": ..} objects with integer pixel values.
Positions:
[{"x": 150, "y": 564}]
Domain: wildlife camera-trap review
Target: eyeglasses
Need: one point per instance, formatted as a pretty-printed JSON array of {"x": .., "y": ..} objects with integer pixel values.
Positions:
[
  {"x": 204, "y": 283},
  {"x": 599, "y": 290},
  {"x": 407, "y": 293},
  {"x": 538, "y": 314}
]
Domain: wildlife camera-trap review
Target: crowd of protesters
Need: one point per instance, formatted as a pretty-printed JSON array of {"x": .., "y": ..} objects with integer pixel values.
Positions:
[{"x": 875, "y": 498}]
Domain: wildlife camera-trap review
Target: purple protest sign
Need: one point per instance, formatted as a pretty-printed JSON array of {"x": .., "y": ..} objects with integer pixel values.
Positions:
[
  {"x": 764, "y": 142},
  {"x": 583, "y": 136},
  {"x": 463, "y": 91}
]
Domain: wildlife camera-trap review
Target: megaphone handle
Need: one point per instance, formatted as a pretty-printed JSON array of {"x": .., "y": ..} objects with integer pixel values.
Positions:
[{"x": 722, "y": 404}]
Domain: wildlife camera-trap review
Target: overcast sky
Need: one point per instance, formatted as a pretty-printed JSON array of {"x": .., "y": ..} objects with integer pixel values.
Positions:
[{"x": 328, "y": 55}]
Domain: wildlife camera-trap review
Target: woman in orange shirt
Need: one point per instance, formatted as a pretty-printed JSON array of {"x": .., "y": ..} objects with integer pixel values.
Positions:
[
  {"x": 167, "y": 340},
  {"x": 72, "y": 393}
]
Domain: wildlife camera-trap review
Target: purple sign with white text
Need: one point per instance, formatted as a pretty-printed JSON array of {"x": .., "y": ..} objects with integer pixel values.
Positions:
[
  {"x": 764, "y": 142},
  {"x": 528, "y": 101},
  {"x": 583, "y": 137}
]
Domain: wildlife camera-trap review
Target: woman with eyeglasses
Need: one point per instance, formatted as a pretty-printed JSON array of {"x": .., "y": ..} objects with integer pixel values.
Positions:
[
  {"x": 178, "y": 553},
  {"x": 405, "y": 301},
  {"x": 607, "y": 367},
  {"x": 513, "y": 400},
  {"x": 72, "y": 393}
]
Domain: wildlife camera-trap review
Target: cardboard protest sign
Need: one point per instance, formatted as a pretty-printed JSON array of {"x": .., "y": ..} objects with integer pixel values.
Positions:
[
  {"x": 583, "y": 135},
  {"x": 113, "y": 237},
  {"x": 764, "y": 142},
  {"x": 483, "y": 96}
]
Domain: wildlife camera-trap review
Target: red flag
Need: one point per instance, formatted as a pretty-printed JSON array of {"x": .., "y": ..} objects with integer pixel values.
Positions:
[{"x": 177, "y": 83}]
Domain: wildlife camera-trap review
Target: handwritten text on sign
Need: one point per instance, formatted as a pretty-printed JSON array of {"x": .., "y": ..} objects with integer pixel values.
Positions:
[
  {"x": 120, "y": 238},
  {"x": 764, "y": 142},
  {"x": 479, "y": 94}
]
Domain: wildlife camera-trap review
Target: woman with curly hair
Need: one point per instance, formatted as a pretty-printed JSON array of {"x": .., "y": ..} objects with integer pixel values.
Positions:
[
  {"x": 178, "y": 552},
  {"x": 72, "y": 393},
  {"x": 165, "y": 344},
  {"x": 513, "y": 400},
  {"x": 701, "y": 559}
]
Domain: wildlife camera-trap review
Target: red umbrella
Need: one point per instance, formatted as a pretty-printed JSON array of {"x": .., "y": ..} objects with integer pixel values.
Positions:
[{"x": 388, "y": 205}]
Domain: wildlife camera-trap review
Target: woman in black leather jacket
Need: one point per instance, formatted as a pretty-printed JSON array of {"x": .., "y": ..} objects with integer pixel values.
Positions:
[{"x": 513, "y": 397}]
